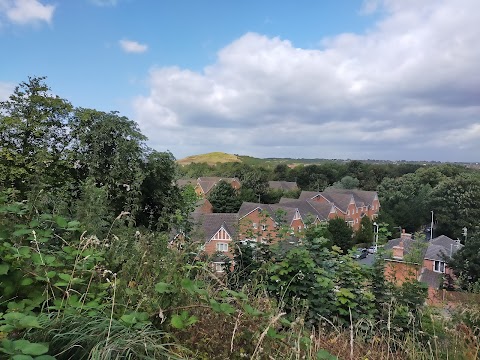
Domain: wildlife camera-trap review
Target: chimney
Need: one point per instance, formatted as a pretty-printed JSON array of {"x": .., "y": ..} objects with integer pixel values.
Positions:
[
  {"x": 405, "y": 235},
  {"x": 398, "y": 251}
]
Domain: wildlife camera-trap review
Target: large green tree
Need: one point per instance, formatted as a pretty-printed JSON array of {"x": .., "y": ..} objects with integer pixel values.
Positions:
[
  {"x": 223, "y": 198},
  {"x": 341, "y": 233},
  {"x": 34, "y": 138},
  {"x": 466, "y": 263},
  {"x": 456, "y": 204}
]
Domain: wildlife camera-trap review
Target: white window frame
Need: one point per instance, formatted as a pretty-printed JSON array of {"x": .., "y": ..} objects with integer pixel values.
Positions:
[
  {"x": 219, "y": 267},
  {"x": 439, "y": 266},
  {"x": 255, "y": 225},
  {"x": 264, "y": 227},
  {"x": 222, "y": 247}
]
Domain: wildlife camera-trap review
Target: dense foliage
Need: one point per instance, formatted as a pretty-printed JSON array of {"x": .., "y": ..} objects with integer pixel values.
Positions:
[{"x": 89, "y": 270}]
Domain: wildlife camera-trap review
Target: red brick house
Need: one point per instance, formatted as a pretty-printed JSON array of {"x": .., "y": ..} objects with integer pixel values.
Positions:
[
  {"x": 351, "y": 205},
  {"x": 203, "y": 185},
  {"x": 431, "y": 267},
  {"x": 216, "y": 234}
]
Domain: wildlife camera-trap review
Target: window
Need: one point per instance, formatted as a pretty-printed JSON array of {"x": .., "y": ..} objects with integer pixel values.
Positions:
[
  {"x": 219, "y": 266},
  {"x": 222, "y": 247},
  {"x": 264, "y": 227},
  {"x": 255, "y": 225},
  {"x": 439, "y": 266},
  {"x": 348, "y": 212}
]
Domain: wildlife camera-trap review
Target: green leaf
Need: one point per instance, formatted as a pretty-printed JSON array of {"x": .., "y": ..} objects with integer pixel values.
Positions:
[
  {"x": 21, "y": 357},
  {"x": 65, "y": 277},
  {"x": 61, "y": 221},
  {"x": 177, "y": 322},
  {"x": 34, "y": 349},
  {"x": 325, "y": 355},
  {"x": 29, "y": 322},
  {"x": 227, "y": 308},
  {"x": 44, "y": 357},
  {"x": 21, "y": 232},
  {"x": 4, "y": 269},
  {"x": 162, "y": 287},
  {"x": 26, "y": 281}
]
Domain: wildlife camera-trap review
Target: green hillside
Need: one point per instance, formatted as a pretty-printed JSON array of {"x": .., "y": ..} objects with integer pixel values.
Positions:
[{"x": 210, "y": 158}]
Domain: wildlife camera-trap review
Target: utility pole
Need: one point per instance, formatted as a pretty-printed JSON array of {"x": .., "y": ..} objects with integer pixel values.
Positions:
[
  {"x": 376, "y": 236},
  {"x": 431, "y": 228}
]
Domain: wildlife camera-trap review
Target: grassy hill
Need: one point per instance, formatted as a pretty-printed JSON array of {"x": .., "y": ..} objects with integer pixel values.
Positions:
[{"x": 210, "y": 158}]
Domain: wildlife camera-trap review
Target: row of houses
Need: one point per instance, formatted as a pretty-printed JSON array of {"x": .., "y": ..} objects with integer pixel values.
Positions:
[
  {"x": 204, "y": 185},
  {"x": 266, "y": 223}
]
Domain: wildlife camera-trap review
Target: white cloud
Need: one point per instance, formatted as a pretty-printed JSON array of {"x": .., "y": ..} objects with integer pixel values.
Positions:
[
  {"x": 26, "y": 11},
  {"x": 130, "y": 46},
  {"x": 383, "y": 94}
]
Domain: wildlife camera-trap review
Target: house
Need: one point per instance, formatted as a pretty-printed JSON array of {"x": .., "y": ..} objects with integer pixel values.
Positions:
[
  {"x": 351, "y": 205},
  {"x": 203, "y": 206},
  {"x": 423, "y": 260},
  {"x": 215, "y": 234},
  {"x": 203, "y": 185},
  {"x": 283, "y": 185}
]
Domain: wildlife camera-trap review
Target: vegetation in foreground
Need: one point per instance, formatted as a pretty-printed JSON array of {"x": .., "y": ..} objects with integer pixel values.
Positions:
[{"x": 88, "y": 270}]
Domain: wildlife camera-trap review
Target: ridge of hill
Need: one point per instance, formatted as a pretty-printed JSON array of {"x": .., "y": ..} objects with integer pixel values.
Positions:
[{"x": 210, "y": 158}]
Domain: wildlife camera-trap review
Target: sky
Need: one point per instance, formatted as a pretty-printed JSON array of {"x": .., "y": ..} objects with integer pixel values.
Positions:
[{"x": 350, "y": 79}]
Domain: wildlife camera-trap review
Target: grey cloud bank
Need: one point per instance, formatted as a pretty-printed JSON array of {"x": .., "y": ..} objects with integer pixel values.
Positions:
[{"x": 409, "y": 88}]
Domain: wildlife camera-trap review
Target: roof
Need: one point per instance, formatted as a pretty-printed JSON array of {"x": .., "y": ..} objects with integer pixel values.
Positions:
[
  {"x": 437, "y": 249},
  {"x": 283, "y": 185},
  {"x": 308, "y": 208},
  {"x": 342, "y": 197},
  {"x": 209, "y": 224},
  {"x": 431, "y": 278},
  {"x": 273, "y": 210},
  {"x": 185, "y": 182},
  {"x": 442, "y": 246},
  {"x": 208, "y": 182},
  {"x": 307, "y": 195},
  {"x": 199, "y": 205}
]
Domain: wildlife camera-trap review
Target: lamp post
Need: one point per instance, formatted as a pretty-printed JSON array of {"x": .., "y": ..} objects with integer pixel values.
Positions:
[
  {"x": 376, "y": 236},
  {"x": 431, "y": 227}
]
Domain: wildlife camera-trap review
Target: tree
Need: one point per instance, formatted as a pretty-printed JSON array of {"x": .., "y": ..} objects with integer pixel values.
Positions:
[
  {"x": 364, "y": 234},
  {"x": 34, "y": 138},
  {"x": 341, "y": 233},
  {"x": 456, "y": 204},
  {"x": 223, "y": 198},
  {"x": 347, "y": 182},
  {"x": 110, "y": 149},
  {"x": 466, "y": 263}
]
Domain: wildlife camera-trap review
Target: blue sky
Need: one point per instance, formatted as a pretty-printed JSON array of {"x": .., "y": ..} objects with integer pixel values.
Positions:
[{"x": 379, "y": 79}]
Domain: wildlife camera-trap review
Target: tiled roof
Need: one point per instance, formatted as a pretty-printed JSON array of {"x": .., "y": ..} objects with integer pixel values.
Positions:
[
  {"x": 247, "y": 208},
  {"x": 431, "y": 278},
  {"x": 309, "y": 208},
  {"x": 283, "y": 185},
  {"x": 208, "y": 224},
  {"x": 442, "y": 246},
  {"x": 340, "y": 199},
  {"x": 207, "y": 183},
  {"x": 185, "y": 182},
  {"x": 307, "y": 195},
  {"x": 273, "y": 210}
]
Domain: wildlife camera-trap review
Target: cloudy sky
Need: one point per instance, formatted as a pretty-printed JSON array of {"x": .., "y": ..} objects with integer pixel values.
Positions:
[{"x": 373, "y": 79}]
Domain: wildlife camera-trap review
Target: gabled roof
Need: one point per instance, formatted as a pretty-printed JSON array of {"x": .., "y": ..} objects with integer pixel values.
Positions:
[
  {"x": 442, "y": 246},
  {"x": 340, "y": 199},
  {"x": 283, "y": 185},
  {"x": 199, "y": 205},
  {"x": 309, "y": 208},
  {"x": 207, "y": 183},
  {"x": 209, "y": 224},
  {"x": 273, "y": 210},
  {"x": 307, "y": 195}
]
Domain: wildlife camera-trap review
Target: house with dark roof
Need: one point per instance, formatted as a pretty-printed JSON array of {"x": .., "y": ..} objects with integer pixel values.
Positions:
[
  {"x": 203, "y": 185},
  {"x": 283, "y": 185},
  {"x": 216, "y": 234},
  {"x": 423, "y": 260},
  {"x": 351, "y": 205}
]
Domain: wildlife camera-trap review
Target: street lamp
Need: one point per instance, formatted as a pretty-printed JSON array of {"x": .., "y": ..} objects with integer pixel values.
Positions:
[{"x": 376, "y": 236}]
